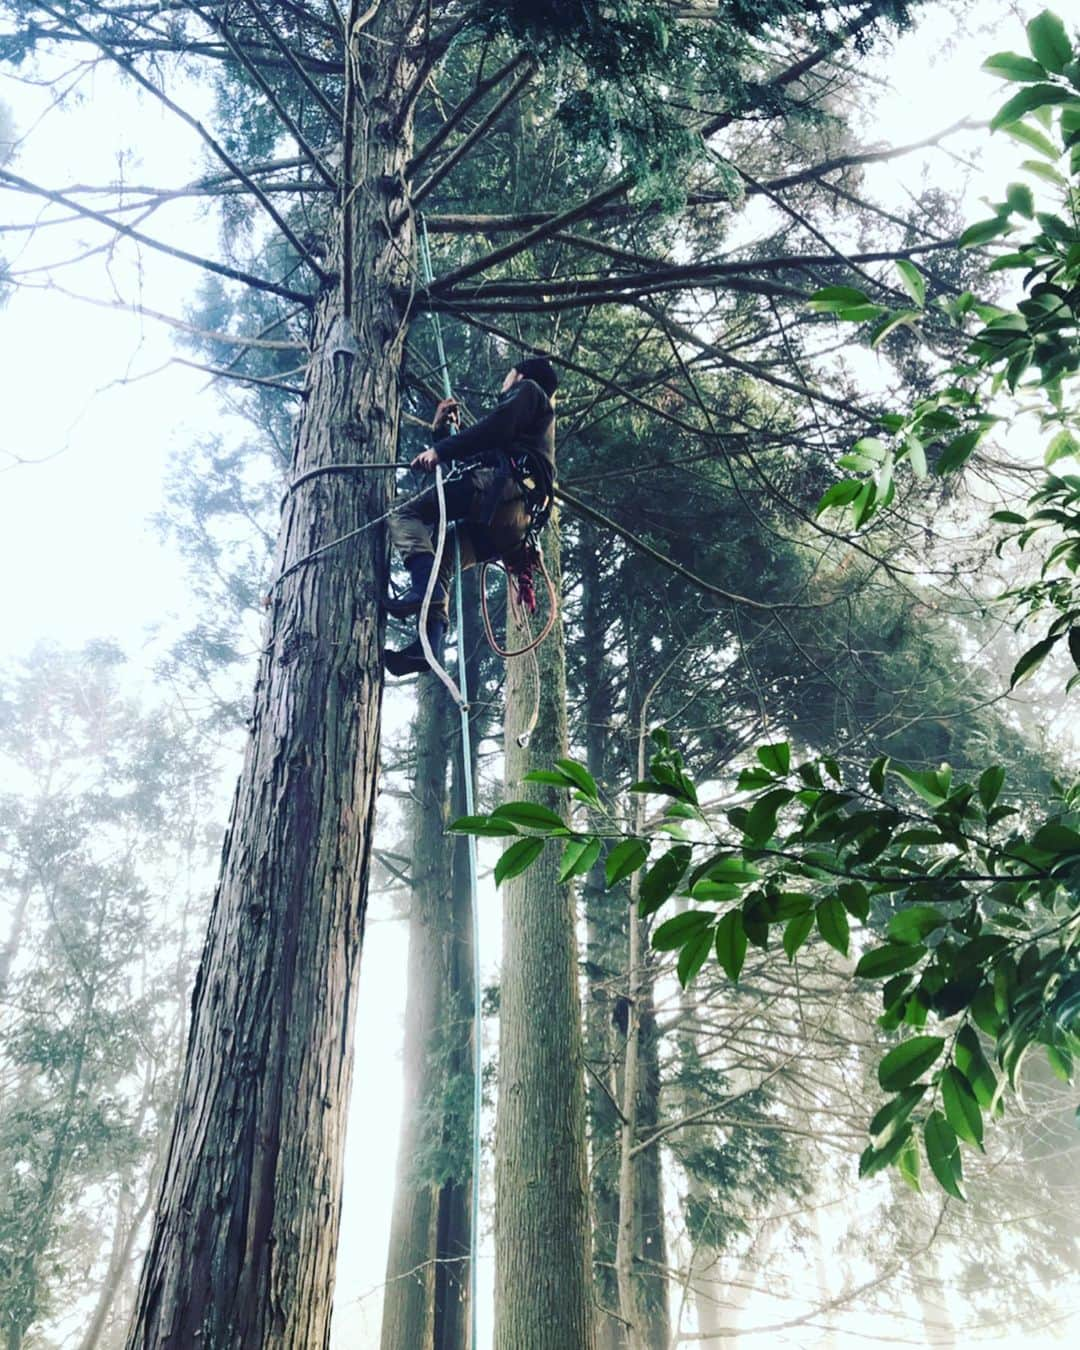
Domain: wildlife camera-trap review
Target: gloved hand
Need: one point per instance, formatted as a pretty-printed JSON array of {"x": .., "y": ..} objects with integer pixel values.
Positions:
[
  {"x": 426, "y": 459},
  {"x": 445, "y": 411}
]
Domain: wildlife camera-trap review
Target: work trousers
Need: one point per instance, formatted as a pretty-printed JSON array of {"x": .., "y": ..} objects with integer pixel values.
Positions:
[{"x": 482, "y": 534}]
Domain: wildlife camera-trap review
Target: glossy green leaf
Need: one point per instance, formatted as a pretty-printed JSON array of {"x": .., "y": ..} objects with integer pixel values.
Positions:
[
  {"x": 517, "y": 858},
  {"x": 943, "y": 1154},
  {"x": 1056, "y": 838},
  {"x": 715, "y": 892},
  {"x": 840, "y": 494},
  {"x": 916, "y": 455},
  {"x": 876, "y": 1160},
  {"x": 1029, "y": 136},
  {"x": 961, "y": 1108},
  {"x": 832, "y": 922},
  {"x": 796, "y": 931},
  {"x": 776, "y": 758},
  {"x": 579, "y": 856},
  {"x": 1061, "y": 1063},
  {"x": 930, "y": 786},
  {"x": 890, "y": 1119},
  {"x": 549, "y": 777},
  {"x": 914, "y": 922},
  {"x": 912, "y": 281},
  {"x": 674, "y": 932},
  {"x": 983, "y": 231},
  {"x": 1027, "y": 100},
  {"x": 1049, "y": 42},
  {"x": 531, "y": 815},
  {"x": 855, "y": 898},
  {"x": 662, "y": 879},
  {"x": 731, "y": 943},
  {"x": 1031, "y": 660},
  {"x": 908, "y": 1163},
  {"x": 832, "y": 299},
  {"x": 1063, "y": 446},
  {"x": 486, "y": 827},
  {"x": 881, "y": 962},
  {"x": 991, "y": 782},
  {"x": 580, "y": 777},
  {"x": 908, "y": 1061},
  {"x": 1010, "y": 66},
  {"x": 625, "y": 858},
  {"x": 760, "y": 823},
  {"x": 732, "y": 870},
  {"x": 692, "y": 957}
]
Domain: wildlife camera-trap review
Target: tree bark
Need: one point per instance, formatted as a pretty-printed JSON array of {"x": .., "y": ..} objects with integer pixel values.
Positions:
[
  {"x": 543, "y": 1284},
  {"x": 409, "y": 1301},
  {"x": 605, "y": 925},
  {"x": 650, "y": 1266},
  {"x": 454, "y": 1235},
  {"x": 244, "y": 1241}
]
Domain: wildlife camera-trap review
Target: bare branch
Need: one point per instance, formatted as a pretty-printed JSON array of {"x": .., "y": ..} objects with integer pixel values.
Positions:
[{"x": 220, "y": 269}]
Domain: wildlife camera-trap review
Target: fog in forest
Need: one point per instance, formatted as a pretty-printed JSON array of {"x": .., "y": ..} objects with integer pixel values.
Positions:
[{"x": 777, "y": 901}]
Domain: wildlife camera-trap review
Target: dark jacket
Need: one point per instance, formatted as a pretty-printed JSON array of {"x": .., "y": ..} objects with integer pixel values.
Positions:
[{"x": 522, "y": 422}]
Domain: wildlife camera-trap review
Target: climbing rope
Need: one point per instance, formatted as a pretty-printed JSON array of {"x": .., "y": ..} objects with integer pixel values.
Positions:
[{"x": 461, "y": 697}]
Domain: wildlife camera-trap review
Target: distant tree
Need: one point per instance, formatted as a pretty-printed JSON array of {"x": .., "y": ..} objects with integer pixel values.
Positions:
[{"x": 104, "y": 842}]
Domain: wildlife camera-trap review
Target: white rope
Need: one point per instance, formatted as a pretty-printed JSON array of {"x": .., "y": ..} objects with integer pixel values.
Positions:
[{"x": 433, "y": 581}]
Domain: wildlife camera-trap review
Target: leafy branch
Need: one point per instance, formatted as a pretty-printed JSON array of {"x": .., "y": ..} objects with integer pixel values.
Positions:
[{"x": 969, "y": 913}]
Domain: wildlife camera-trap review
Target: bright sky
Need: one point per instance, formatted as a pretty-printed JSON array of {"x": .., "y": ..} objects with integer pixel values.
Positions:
[{"x": 88, "y": 429}]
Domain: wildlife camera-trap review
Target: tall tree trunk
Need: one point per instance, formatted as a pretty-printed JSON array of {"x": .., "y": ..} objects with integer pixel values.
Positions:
[
  {"x": 244, "y": 1242},
  {"x": 543, "y": 1284},
  {"x": 454, "y": 1235},
  {"x": 650, "y": 1267},
  {"x": 605, "y": 922},
  {"x": 409, "y": 1301},
  {"x": 10, "y": 949}
]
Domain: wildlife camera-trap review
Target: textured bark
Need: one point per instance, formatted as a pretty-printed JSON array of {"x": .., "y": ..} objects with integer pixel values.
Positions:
[
  {"x": 543, "y": 1285},
  {"x": 244, "y": 1242},
  {"x": 650, "y": 1267},
  {"x": 409, "y": 1301},
  {"x": 426, "y": 1304},
  {"x": 605, "y": 929},
  {"x": 453, "y": 1238}
]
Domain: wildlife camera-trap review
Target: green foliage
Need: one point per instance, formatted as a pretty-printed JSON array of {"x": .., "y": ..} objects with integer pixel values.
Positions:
[
  {"x": 1031, "y": 350},
  {"x": 980, "y": 917},
  {"x": 623, "y": 60}
]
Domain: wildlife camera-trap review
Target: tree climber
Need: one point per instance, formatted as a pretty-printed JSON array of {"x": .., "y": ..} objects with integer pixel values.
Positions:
[{"x": 492, "y": 502}]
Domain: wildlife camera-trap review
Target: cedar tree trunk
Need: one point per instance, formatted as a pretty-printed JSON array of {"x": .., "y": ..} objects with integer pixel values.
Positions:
[
  {"x": 543, "y": 1284},
  {"x": 242, "y": 1252},
  {"x": 409, "y": 1300}
]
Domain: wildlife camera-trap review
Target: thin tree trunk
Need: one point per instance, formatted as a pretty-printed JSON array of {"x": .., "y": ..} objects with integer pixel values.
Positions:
[
  {"x": 10, "y": 949},
  {"x": 543, "y": 1284},
  {"x": 604, "y": 929},
  {"x": 650, "y": 1270},
  {"x": 408, "y": 1318},
  {"x": 244, "y": 1242},
  {"x": 454, "y": 1235}
]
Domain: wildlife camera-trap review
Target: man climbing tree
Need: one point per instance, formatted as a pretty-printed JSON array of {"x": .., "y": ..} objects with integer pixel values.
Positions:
[
  {"x": 503, "y": 492},
  {"x": 243, "y": 1247}
]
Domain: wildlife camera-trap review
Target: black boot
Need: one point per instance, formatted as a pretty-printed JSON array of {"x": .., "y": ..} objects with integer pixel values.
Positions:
[
  {"x": 411, "y": 660},
  {"x": 419, "y": 567}
]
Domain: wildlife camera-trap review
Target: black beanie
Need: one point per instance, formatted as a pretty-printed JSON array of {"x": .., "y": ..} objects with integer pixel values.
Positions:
[{"x": 540, "y": 369}]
